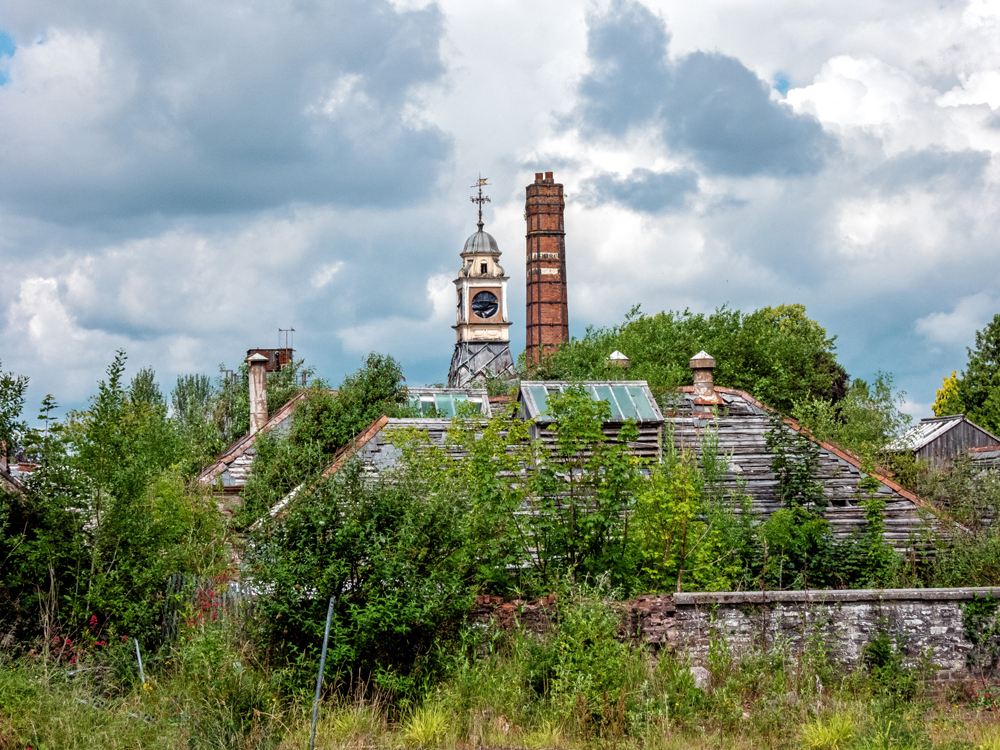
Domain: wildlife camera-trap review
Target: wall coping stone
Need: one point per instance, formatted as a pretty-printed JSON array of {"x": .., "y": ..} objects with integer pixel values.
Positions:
[{"x": 832, "y": 595}]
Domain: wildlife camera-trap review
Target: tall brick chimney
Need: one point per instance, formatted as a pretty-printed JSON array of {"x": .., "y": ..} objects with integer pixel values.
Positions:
[
  {"x": 258, "y": 391},
  {"x": 548, "y": 314}
]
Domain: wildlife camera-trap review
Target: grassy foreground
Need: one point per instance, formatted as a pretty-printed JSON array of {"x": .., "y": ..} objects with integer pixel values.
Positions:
[{"x": 518, "y": 691}]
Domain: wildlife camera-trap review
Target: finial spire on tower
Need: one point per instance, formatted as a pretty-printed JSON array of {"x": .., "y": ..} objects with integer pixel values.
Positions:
[{"x": 480, "y": 199}]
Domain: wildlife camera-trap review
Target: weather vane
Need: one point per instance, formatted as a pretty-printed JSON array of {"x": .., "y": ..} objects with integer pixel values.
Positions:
[{"x": 480, "y": 199}]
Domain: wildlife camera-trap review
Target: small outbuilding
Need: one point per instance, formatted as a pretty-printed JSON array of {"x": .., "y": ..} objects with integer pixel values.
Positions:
[{"x": 937, "y": 439}]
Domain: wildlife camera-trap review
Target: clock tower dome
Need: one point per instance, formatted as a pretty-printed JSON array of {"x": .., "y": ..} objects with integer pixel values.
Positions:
[{"x": 482, "y": 348}]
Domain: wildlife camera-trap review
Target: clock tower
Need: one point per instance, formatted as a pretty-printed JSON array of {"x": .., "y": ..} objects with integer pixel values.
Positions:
[{"x": 482, "y": 348}]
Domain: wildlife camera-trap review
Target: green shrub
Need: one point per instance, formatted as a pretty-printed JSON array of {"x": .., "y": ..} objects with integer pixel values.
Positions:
[
  {"x": 590, "y": 661},
  {"x": 883, "y": 657}
]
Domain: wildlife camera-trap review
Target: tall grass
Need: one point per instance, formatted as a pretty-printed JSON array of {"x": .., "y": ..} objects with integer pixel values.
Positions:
[{"x": 511, "y": 689}]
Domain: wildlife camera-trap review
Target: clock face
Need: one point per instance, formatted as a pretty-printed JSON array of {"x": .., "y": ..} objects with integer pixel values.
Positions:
[{"x": 485, "y": 304}]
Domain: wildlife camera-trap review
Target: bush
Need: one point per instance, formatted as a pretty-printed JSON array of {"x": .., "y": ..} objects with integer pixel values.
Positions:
[
  {"x": 591, "y": 664},
  {"x": 883, "y": 657},
  {"x": 391, "y": 551}
]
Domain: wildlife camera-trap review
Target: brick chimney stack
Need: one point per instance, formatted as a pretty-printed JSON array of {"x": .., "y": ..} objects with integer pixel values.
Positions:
[
  {"x": 548, "y": 314},
  {"x": 258, "y": 391}
]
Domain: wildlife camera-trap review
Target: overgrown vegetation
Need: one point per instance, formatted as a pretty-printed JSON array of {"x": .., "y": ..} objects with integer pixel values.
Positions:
[
  {"x": 776, "y": 353},
  {"x": 112, "y": 512},
  {"x": 574, "y": 685}
]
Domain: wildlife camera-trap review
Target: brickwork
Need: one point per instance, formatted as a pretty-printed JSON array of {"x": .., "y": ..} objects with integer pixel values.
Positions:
[
  {"x": 929, "y": 621},
  {"x": 547, "y": 311}
]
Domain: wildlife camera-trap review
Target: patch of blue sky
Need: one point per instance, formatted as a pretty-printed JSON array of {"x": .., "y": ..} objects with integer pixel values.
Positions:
[
  {"x": 7, "y": 48},
  {"x": 781, "y": 84}
]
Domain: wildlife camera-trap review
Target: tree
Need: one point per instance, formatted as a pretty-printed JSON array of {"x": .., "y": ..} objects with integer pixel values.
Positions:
[
  {"x": 684, "y": 526},
  {"x": 979, "y": 386},
  {"x": 778, "y": 354},
  {"x": 865, "y": 421},
  {"x": 122, "y": 444},
  {"x": 42, "y": 533},
  {"x": 392, "y": 552},
  {"x": 948, "y": 400},
  {"x": 333, "y": 419},
  {"x": 581, "y": 490},
  {"x": 976, "y": 392},
  {"x": 12, "y": 390},
  {"x": 322, "y": 424}
]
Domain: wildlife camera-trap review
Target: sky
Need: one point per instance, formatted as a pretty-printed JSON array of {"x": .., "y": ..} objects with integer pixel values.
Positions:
[{"x": 181, "y": 179}]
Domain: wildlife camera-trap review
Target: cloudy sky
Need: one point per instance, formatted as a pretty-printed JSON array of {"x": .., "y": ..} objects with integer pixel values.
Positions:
[{"x": 180, "y": 179}]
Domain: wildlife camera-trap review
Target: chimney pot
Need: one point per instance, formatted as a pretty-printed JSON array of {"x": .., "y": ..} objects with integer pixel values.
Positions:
[
  {"x": 538, "y": 176},
  {"x": 549, "y": 177},
  {"x": 617, "y": 359},
  {"x": 258, "y": 391},
  {"x": 702, "y": 364}
]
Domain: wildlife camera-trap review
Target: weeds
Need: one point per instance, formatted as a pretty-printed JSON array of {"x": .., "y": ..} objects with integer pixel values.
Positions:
[
  {"x": 832, "y": 734},
  {"x": 426, "y": 726}
]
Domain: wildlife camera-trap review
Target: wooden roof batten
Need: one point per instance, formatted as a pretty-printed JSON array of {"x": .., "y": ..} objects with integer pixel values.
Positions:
[{"x": 841, "y": 453}]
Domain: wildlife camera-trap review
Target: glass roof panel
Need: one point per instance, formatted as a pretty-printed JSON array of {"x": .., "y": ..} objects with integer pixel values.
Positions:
[
  {"x": 540, "y": 396},
  {"x": 445, "y": 405},
  {"x": 604, "y": 393},
  {"x": 642, "y": 405}
]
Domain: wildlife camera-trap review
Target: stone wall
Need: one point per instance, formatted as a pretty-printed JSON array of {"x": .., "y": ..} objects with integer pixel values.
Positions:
[{"x": 929, "y": 621}]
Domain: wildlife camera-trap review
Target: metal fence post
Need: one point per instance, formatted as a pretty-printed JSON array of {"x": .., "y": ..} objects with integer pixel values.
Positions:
[
  {"x": 319, "y": 677},
  {"x": 139, "y": 657}
]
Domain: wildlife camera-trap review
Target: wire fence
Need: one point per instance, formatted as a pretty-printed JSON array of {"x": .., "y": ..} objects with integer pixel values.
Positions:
[{"x": 195, "y": 600}]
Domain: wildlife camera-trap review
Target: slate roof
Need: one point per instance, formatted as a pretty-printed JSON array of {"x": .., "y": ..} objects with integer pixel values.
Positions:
[
  {"x": 10, "y": 483},
  {"x": 374, "y": 447},
  {"x": 741, "y": 427}
]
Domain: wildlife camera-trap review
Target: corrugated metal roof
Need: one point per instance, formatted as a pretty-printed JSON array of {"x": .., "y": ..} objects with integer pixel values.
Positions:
[
  {"x": 924, "y": 432},
  {"x": 628, "y": 399},
  {"x": 446, "y": 400}
]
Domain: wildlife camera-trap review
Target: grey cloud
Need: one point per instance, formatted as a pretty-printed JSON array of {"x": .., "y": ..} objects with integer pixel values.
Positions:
[
  {"x": 642, "y": 190},
  {"x": 721, "y": 111},
  {"x": 245, "y": 107},
  {"x": 627, "y": 49},
  {"x": 707, "y": 104},
  {"x": 931, "y": 168}
]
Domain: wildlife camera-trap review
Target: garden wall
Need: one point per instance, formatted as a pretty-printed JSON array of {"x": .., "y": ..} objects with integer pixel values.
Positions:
[{"x": 928, "y": 621}]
